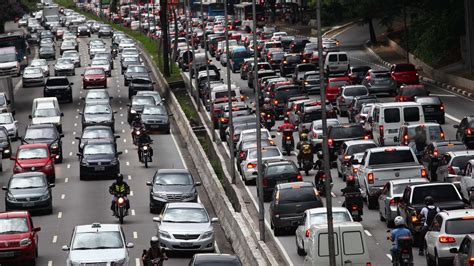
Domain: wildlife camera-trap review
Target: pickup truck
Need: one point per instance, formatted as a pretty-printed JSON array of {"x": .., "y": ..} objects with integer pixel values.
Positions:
[
  {"x": 445, "y": 195},
  {"x": 383, "y": 164}
]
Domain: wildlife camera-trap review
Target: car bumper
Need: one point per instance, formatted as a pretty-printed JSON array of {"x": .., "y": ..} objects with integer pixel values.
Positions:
[
  {"x": 64, "y": 72},
  {"x": 32, "y": 82},
  {"x": 434, "y": 116},
  {"x": 310, "y": 88},
  {"x": 10, "y": 72},
  {"x": 285, "y": 222},
  {"x": 61, "y": 95},
  {"x": 17, "y": 255},
  {"x": 108, "y": 124},
  {"x": 382, "y": 88},
  {"x": 158, "y": 203},
  {"x": 249, "y": 174},
  {"x": 40, "y": 205},
  {"x": 99, "y": 170},
  {"x": 95, "y": 83},
  {"x": 157, "y": 127},
  {"x": 182, "y": 245}
]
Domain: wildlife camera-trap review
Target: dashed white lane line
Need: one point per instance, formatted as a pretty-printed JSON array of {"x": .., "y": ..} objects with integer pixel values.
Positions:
[
  {"x": 120, "y": 108},
  {"x": 333, "y": 195},
  {"x": 68, "y": 166},
  {"x": 75, "y": 124},
  {"x": 121, "y": 115},
  {"x": 74, "y": 132},
  {"x": 60, "y": 215},
  {"x": 128, "y": 163},
  {"x": 453, "y": 118},
  {"x": 133, "y": 212},
  {"x": 126, "y": 151},
  {"x": 121, "y": 122},
  {"x": 73, "y": 142},
  {"x": 129, "y": 177},
  {"x": 66, "y": 179},
  {"x": 55, "y": 239},
  {"x": 77, "y": 117},
  {"x": 77, "y": 110},
  {"x": 131, "y": 193},
  {"x": 135, "y": 235},
  {"x": 70, "y": 153},
  {"x": 389, "y": 256},
  {"x": 179, "y": 150},
  {"x": 124, "y": 140},
  {"x": 137, "y": 262},
  {"x": 50, "y": 263},
  {"x": 367, "y": 232},
  {"x": 63, "y": 196},
  {"x": 123, "y": 130}
]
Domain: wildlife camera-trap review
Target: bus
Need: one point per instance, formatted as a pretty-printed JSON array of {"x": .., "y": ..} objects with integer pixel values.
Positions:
[
  {"x": 18, "y": 40},
  {"x": 244, "y": 11}
]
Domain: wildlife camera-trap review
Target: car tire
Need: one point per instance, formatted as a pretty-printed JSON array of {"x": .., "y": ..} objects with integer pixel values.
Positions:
[
  {"x": 50, "y": 209},
  {"x": 299, "y": 250},
  {"x": 277, "y": 231},
  {"x": 429, "y": 260}
]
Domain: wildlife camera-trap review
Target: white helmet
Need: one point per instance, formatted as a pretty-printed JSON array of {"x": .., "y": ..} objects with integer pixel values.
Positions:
[{"x": 399, "y": 221}]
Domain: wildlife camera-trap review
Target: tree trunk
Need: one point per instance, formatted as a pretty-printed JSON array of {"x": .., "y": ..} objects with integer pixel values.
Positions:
[
  {"x": 373, "y": 37},
  {"x": 165, "y": 37}
]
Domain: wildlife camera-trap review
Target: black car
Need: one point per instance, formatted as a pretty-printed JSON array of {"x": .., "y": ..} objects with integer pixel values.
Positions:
[
  {"x": 5, "y": 144},
  {"x": 433, "y": 108},
  {"x": 357, "y": 73},
  {"x": 29, "y": 191},
  {"x": 297, "y": 44},
  {"x": 215, "y": 259},
  {"x": 156, "y": 118},
  {"x": 465, "y": 131},
  {"x": 139, "y": 83},
  {"x": 135, "y": 71},
  {"x": 138, "y": 104},
  {"x": 289, "y": 202},
  {"x": 289, "y": 63},
  {"x": 338, "y": 134},
  {"x": 278, "y": 172},
  {"x": 239, "y": 109},
  {"x": 98, "y": 159},
  {"x": 83, "y": 30},
  {"x": 282, "y": 94},
  {"x": 58, "y": 87},
  {"x": 431, "y": 157},
  {"x": 103, "y": 133},
  {"x": 98, "y": 114},
  {"x": 129, "y": 61},
  {"x": 171, "y": 185},
  {"x": 48, "y": 134},
  {"x": 105, "y": 30}
]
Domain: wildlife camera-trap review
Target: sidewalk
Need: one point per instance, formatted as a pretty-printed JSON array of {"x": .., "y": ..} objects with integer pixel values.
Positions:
[{"x": 454, "y": 77}]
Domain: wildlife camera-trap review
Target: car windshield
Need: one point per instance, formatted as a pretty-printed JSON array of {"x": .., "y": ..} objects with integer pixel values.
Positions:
[
  {"x": 29, "y": 70},
  {"x": 6, "y": 119},
  {"x": 399, "y": 188},
  {"x": 131, "y": 59},
  {"x": 347, "y": 132},
  {"x": 338, "y": 217},
  {"x": 403, "y": 68},
  {"x": 152, "y": 110},
  {"x": 57, "y": 82},
  {"x": 97, "y": 240},
  {"x": 440, "y": 193},
  {"x": 70, "y": 55},
  {"x": 126, "y": 41},
  {"x": 46, "y": 112},
  {"x": 97, "y": 134},
  {"x": 13, "y": 226},
  {"x": 391, "y": 157},
  {"x": 143, "y": 101},
  {"x": 27, "y": 182},
  {"x": 64, "y": 61},
  {"x": 38, "y": 63},
  {"x": 460, "y": 161},
  {"x": 282, "y": 169},
  {"x": 185, "y": 215},
  {"x": 32, "y": 153},
  {"x": 97, "y": 46},
  {"x": 97, "y": 109},
  {"x": 173, "y": 179},
  {"x": 360, "y": 148},
  {"x": 94, "y": 149},
  {"x": 46, "y": 49},
  {"x": 297, "y": 194},
  {"x": 68, "y": 43},
  {"x": 137, "y": 69},
  {"x": 97, "y": 95},
  {"x": 460, "y": 226},
  {"x": 355, "y": 91},
  {"x": 40, "y": 133},
  {"x": 99, "y": 62},
  {"x": 95, "y": 71}
]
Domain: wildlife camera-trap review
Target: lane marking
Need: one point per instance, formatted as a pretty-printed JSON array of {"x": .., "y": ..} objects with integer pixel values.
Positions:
[
  {"x": 75, "y": 124},
  {"x": 121, "y": 122},
  {"x": 55, "y": 239},
  {"x": 73, "y": 142},
  {"x": 50, "y": 263},
  {"x": 131, "y": 192},
  {"x": 333, "y": 195},
  {"x": 66, "y": 179},
  {"x": 135, "y": 235},
  {"x": 137, "y": 262},
  {"x": 77, "y": 116},
  {"x": 442, "y": 95},
  {"x": 389, "y": 256},
  {"x": 70, "y": 153},
  {"x": 129, "y": 177},
  {"x": 74, "y": 132},
  {"x": 124, "y": 140},
  {"x": 452, "y": 118},
  {"x": 63, "y": 196},
  {"x": 133, "y": 212},
  {"x": 128, "y": 163},
  {"x": 68, "y": 166},
  {"x": 120, "y": 108},
  {"x": 121, "y": 115},
  {"x": 367, "y": 232},
  {"x": 123, "y": 130},
  {"x": 179, "y": 150},
  {"x": 126, "y": 151},
  {"x": 60, "y": 215}
]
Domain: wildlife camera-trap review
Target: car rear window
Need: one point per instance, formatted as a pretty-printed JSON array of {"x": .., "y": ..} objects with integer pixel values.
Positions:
[
  {"x": 294, "y": 195},
  {"x": 346, "y": 132},
  {"x": 392, "y": 115},
  {"x": 304, "y": 68},
  {"x": 440, "y": 193},
  {"x": 342, "y": 57},
  {"x": 293, "y": 59},
  {"x": 403, "y": 68},
  {"x": 338, "y": 83},
  {"x": 360, "y": 148},
  {"x": 266, "y": 153},
  {"x": 411, "y": 114},
  {"x": 460, "y": 226},
  {"x": 338, "y": 217},
  {"x": 434, "y": 133},
  {"x": 460, "y": 161},
  {"x": 57, "y": 82},
  {"x": 399, "y": 188},
  {"x": 451, "y": 147},
  {"x": 284, "y": 94},
  {"x": 224, "y": 94},
  {"x": 282, "y": 169},
  {"x": 355, "y": 91},
  {"x": 385, "y": 157},
  {"x": 429, "y": 100},
  {"x": 384, "y": 75}
]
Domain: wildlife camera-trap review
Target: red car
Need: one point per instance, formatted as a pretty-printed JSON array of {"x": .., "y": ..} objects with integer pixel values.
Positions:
[
  {"x": 334, "y": 85},
  {"x": 94, "y": 76},
  {"x": 404, "y": 74},
  {"x": 18, "y": 238},
  {"x": 35, "y": 158},
  {"x": 407, "y": 93}
]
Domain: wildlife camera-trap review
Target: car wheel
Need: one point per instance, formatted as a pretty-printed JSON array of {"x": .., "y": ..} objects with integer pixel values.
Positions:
[
  {"x": 429, "y": 260},
  {"x": 299, "y": 250},
  {"x": 438, "y": 261},
  {"x": 277, "y": 231}
]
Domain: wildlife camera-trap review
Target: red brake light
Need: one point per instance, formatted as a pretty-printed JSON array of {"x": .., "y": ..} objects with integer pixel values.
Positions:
[
  {"x": 308, "y": 233},
  {"x": 251, "y": 166},
  {"x": 393, "y": 202},
  {"x": 446, "y": 239},
  {"x": 435, "y": 153},
  {"x": 441, "y": 108},
  {"x": 299, "y": 178},
  {"x": 242, "y": 155},
  {"x": 468, "y": 131},
  {"x": 370, "y": 178},
  {"x": 451, "y": 170},
  {"x": 442, "y": 135},
  {"x": 315, "y": 135},
  {"x": 275, "y": 102},
  {"x": 366, "y": 137},
  {"x": 330, "y": 142},
  {"x": 288, "y": 137}
]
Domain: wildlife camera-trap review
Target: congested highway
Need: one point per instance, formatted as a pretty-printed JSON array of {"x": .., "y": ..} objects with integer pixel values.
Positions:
[{"x": 77, "y": 202}]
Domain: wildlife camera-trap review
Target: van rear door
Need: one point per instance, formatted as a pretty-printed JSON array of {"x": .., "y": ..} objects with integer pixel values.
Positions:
[
  {"x": 390, "y": 122},
  {"x": 353, "y": 248}
]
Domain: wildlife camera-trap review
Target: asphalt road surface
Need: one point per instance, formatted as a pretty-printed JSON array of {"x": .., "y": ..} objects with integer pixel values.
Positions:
[{"x": 78, "y": 202}]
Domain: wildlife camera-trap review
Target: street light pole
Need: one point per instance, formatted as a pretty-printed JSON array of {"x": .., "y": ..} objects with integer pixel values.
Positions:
[
  {"x": 406, "y": 30},
  {"x": 229, "y": 95},
  {"x": 327, "y": 170},
  {"x": 261, "y": 210}
]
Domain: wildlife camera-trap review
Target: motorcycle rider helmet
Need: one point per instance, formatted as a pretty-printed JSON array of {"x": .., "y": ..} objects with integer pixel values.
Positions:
[
  {"x": 399, "y": 221},
  {"x": 154, "y": 241},
  {"x": 320, "y": 155},
  {"x": 429, "y": 200},
  {"x": 137, "y": 118},
  {"x": 350, "y": 181},
  {"x": 266, "y": 100},
  {"x": 286, "y": 119},
  {"x": 119, "y": 178},
  {"x": 303, "y": 137}
]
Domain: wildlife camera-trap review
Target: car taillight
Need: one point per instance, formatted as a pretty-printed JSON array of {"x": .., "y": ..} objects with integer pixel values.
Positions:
[
  {"x": 308, "y": 233},
  {"x": 405, "y": 139},
  {"x": 315, "y": 135},
  {"x": 370, "y": 178},
  {"x": 451, "y": 170},
  {"x": 471, "y": 261},
  {"x": 435, "y": 153},
  {"x": 299, "y": 178},
  {"x": 251, "y": 166},
  {"x": 441, "y": 107},
  {"x": 441, "y": 135},
  {"x": 414, "y": 219},
  {"x": 288, "y": 138},
  {"x": 354, "y": 207},
  {"x": 366, "y": 137},
  {"x": 330, "y": 142},
  {"x": 347, "y": 157},
  {"x": 393, "y": 202},
  {"x": 468, "y": 131},
  {"x": 355, "y": 170},
  {"x": 446, "y": 239},
  {"x": 343, "y": 100},
  {"x": 424, "y": 173},
  {"x": 242, "y": 155},
  {"x": 275, "y": 102}
]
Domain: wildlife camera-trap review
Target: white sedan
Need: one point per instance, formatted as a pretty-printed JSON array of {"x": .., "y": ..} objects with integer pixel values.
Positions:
[
  {"x": 10, "y": 124},
  {"x": 43, "y": 64}
]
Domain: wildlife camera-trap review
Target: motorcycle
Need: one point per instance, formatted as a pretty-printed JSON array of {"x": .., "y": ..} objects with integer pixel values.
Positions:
[
  {"x": 136, "y": 132},
  {"x": 120, "y": 207},
  {"x": 268, "y": 120},
  {"x": 114, "y": 53},
  {"x": 157, "y": 261},
  {"x": 354, "y": 203},
  {"x": 287, "y": 142},
  {"x": 307, "y": 159},
  {"x": 320, "y": 181},
  {"x": 404, "y": 255},
  {"x": 145, "y": 154}
]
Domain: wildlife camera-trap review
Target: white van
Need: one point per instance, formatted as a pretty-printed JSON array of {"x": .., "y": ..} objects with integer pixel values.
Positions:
[
  {"x": 336, "y": 62},
  {"x": 389, "y": 117},
  {"x": 349, "y": 243},
  {"x": 221, "y": 92},
  {"x": 46, "y": 111}
]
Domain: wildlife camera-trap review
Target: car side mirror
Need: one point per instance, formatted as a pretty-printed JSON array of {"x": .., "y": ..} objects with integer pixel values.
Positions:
[
  {"x": 78, "y": 154},
  {"x": 8, "y": 101},
  {"x": 65, "y": 248},
  {"x": 453, "y": 250},
  {"x": 82, "y": 98},
  {"x": 157, "y": 219},
  {"x": 52, "y": 185},
  {"x": 119, "y": 153},
  {"x": 171, "y": 115},
  {"x": 110, "y": 98},
  {"x": 80, "y": 113},
  {"x": 4, "y": 188},
  {"x": 62, "y": 114},
  {"x": 30, "y": 117},
  {"x": 456, "y": 126},
  {"x": 273, "y": 136},
  {"x": 61, "y": 135},
  {"x": 82, "y": 75},
  {"x": 214, "y": 220},
  {"x": 72, "y": 83},
  {"x": 129, "y": 105},
  {"x": 148, "y": 183},
  {"x": 37, "y": 229},
  {"x": 117, "y": 136},
  {"x": 115, "y": 112},
  {"x": 197, "y": 183},
  {"x": 130, "y": 245},
  {"x": 78, "y": 138}
]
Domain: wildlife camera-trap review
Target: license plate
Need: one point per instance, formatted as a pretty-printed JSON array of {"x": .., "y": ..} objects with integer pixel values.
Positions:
[
  {"x": 355, "y": 212},
  {"x": 99, "y": 168},
  {"x": 186, "y": 244},
  {"x": 429, "y": 109},
  {"x": 288, "y": 142},
  {"x": 28, "y": 204},
  {"x": 405, "y": 256},
  {"x": 392, "y": 130},
  {"x": 154, "y": 126},
  {"x": 269, "y": 120},
  {"x": 7, "y": 254}
]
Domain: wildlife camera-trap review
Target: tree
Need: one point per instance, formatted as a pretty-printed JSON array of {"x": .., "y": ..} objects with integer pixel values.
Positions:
[{"x": 15, "y": 9}]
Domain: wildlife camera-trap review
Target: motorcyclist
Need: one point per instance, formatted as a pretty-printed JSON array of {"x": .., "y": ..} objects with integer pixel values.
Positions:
[
  {"x": 142, "y": 140},
  {"x": 420, "y": 138},
  {"x": 137, "y": 122},
  {"x": 286, "y": 125},
  {"x": 304, "y": 147},
  {"x": 400, "y": 230},
  {"x": 268, "y": 107},
  {"x": 154, "y": 252},
  {"x": 114, "y": 49},
  {"x": 426, "y": 215},
  {"x": 350, "y": 188},
  {"x": 119, "y": 187}
]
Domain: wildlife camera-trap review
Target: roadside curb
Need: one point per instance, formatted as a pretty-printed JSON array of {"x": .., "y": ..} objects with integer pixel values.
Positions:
[{"x": 424, "y": 79}]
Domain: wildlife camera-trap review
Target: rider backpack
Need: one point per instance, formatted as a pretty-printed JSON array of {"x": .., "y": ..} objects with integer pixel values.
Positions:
[
  {"x": 431, "y": 215},
  {"x": 307, "y": 149}
]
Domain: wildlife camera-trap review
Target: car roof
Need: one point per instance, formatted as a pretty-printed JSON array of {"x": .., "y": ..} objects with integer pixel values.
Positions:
[
  {"x": 278, "y": 162},
  {"x": 429, "y": 124},
  {"x": 195, "y": 205},
  {"x": 359, "y": 142},
  {"x": 294, "y": 184},
  {"x": 213, "y": 257},
  {"x": 460, "y": 213},
  {"x": 96, "y": 227},
  {"x": 409, "y": 180},
  {"x": 14, "y": 214},
  {"x": 173, "y": 171},
  {"x": 35, "y": 145},
  {"x": 460, "y": 153},
  {"x": 45, "y": 125},
  {"x": 324, "y": 210}
]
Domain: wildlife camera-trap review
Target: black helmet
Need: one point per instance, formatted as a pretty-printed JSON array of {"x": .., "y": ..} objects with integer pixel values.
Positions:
[
  {"x": 350, "y": 181},
  {"x": 429, "y": 200},
  {"x": 320, "y": 155},
  {"x": 137, "y": 118},
  {"x": 119, "y": 178},
  {"x": 154, "y": 241}
]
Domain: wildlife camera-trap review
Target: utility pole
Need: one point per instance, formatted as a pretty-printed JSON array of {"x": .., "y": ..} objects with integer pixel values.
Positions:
[
  {"x": 406, "y": 30},
  {"x": 327, "y": 169},
  {"x": 261, "y": 208},
  {"x": 196, "y": 92},
  {"x": 229, "y": 95},
  {"x": 165, "y": 36}
]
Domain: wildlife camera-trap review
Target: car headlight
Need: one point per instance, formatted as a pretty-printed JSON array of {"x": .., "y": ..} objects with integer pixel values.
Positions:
[
  {"x": 160, "y": 195},
  {"x": 207, "y": 234},
  {"x": 54, "y": 146},
  {"x": 188, "y": 195},
  {"x": 164, "y": 234},
  {"x": 45, "y": 197},
  {"x": 119, "y": 262},
  {"x": 133, "y": 111},
  {"x": 10, "y": 197},
  {"x": 25, "y": 242}
]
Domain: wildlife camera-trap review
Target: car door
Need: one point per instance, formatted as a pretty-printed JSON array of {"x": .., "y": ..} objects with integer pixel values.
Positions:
[
  {"x": 461, "y": 129},
  {"x": 462, "y": 258},
  {"x": 383, "y": 200},
  {"x": 431, "y": 236},
  {"x": 465, "y": 180}
]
